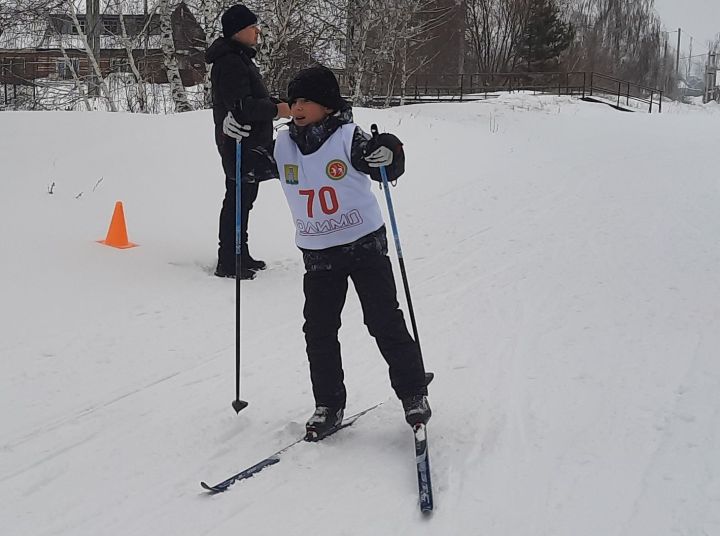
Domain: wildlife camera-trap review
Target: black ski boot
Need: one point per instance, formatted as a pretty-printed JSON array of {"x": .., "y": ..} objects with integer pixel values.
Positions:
[
  {"x": 417, "y": 410},
  {"x": 324, "y": 421}
]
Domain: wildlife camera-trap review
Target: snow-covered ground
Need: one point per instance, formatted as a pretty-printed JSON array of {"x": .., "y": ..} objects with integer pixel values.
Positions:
[{"x": 564, "y": 263}]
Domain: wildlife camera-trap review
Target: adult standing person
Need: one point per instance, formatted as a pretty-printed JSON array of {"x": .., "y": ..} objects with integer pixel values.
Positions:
[{"x": 238, "y": 89}]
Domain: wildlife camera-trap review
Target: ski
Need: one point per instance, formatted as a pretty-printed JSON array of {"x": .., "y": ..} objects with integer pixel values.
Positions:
[
  {"x": 422, "y": 461},
  {"x": 275, "y": 457}
]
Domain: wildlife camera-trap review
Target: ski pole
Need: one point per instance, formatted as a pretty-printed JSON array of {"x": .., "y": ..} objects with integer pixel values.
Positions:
[
  {"x": 238, "y": 404},
  {"x": 398, "y": 247}
]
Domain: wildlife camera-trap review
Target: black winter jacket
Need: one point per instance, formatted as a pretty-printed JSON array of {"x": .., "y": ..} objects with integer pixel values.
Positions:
[{"x": 237, "y": 86}]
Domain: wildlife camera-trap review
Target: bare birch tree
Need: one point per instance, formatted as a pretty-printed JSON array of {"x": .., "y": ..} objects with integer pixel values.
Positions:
[
  {"x": 413, "y": 27},
  {"x": 284, "y": 43},
  {"x": 170, "y": 61},
  {"x": 296, "y": 34},
  {"x": 619, "y": 37},
  {"x": 495, "y": 30},
  {"x": 361, "y": 20},
  {"x": 76, "y": 78},
  {"x": 209, "y": 12},
  {"x": 91, "y": 58},
  {"x": 129, "y": 44}
]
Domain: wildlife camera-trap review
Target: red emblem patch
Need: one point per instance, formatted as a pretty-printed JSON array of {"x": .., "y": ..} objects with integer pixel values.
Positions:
[{"x": 336, "y": 170}]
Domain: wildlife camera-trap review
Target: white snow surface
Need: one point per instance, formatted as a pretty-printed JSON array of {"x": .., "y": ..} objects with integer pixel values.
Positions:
[{"x": 564, "y": 262}]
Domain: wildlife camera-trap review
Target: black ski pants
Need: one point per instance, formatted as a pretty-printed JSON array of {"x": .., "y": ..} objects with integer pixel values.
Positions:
[
  {"x": 226, "y": 250},
  {"x": 365, "y": 261}
]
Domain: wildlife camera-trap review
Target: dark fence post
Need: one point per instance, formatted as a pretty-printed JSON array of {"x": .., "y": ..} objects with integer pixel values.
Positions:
[
  {"x": 652, "y": 94},
  {"x": 462, "y": 79},
  {"x": 660, "y": 103},
  {"x": 619, "y": 91},
  {"x": 592, "y": 82},
  {"x": 628, "y": 95}
]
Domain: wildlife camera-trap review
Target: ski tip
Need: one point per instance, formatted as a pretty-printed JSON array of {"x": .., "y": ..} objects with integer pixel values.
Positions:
[
  {"x": 426, "y": 511},
  {"x": 212, "y": 489}
]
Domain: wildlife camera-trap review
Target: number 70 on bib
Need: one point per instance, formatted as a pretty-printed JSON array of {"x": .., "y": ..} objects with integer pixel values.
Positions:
[{"x": 326, "y": 198}]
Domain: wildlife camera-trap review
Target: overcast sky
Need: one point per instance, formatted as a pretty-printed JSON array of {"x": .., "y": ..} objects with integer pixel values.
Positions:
[{"x": 699, "y": 18}]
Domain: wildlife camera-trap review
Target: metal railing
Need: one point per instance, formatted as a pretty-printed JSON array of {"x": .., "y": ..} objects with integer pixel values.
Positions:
[
  {"x": 623, "y": 91},
  {"x": 475, "y": 86}
]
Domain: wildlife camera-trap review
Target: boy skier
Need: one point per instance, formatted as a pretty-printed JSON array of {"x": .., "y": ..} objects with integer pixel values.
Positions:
[{"x": 323, "y": 160}]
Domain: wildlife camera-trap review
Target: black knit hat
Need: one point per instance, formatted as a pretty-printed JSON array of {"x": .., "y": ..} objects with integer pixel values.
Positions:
[
  {"x": 317, "y": 84},
  {"x": 237, "y": 18}
]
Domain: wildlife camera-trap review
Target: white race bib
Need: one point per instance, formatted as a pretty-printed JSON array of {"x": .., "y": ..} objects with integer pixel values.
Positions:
[{"x": 331, "y": 202}]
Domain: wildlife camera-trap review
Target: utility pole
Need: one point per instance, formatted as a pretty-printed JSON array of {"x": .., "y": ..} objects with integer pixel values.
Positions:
[
  {"x": 150, "y": 27},
  {"x": 93, "y": 30},
  {"x": 461, "y": 7},
  {"x": 677, "y": 61},
  {"x": 710, "y": 77},
  {"x": 350, "y": 27},
  {"x": 663, "y": 83}
]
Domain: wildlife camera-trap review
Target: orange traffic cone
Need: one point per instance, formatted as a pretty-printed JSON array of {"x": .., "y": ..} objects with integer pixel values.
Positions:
[{"x": 117, "y": 233}]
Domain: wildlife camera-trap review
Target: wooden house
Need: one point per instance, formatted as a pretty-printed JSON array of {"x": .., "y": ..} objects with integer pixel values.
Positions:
[{"x": 25, "y": 59}]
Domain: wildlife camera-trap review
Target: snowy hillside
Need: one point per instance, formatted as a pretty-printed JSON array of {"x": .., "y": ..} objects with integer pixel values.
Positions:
[{"x": 564, "y": 260}]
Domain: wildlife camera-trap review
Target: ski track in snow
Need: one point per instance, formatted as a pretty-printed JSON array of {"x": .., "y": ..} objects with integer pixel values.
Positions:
[{"x": 562, "y": 259}]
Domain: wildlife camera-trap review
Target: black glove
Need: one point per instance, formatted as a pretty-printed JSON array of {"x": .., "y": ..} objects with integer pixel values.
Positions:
[
  {"x": 374, "y": 154},
  {"x": 385, "y": 150}
]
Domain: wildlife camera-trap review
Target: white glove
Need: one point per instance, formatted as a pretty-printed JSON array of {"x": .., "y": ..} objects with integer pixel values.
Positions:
[
  {"x": 382, "y": 156},
  {"x": 234, "y": 129}
]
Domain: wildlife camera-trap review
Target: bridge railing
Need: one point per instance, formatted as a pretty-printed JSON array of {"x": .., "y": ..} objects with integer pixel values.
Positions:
[{"x": 474, "y": 86}]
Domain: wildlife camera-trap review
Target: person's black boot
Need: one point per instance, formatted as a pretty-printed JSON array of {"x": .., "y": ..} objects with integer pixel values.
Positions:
[
  {"x": 253, "y": 264},
  {"x": 250, "y": 263},
  {"x": 323, "y": 422},
  {"x": 417, "y": 409},
  {"x": 228, "y": 270}
]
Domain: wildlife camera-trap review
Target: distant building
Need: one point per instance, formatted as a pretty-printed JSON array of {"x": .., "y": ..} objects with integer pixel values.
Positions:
[{"x": 37, "y": 54}]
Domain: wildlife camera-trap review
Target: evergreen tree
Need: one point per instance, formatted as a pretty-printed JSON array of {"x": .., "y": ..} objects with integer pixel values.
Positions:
[{"x": 545, "y": 36}]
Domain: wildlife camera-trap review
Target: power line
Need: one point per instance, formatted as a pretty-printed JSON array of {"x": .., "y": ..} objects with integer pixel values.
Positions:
[{"x": 694, "y": 56}]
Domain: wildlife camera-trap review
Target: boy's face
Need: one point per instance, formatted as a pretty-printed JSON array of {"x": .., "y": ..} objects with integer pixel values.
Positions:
[
  {"x": 247, "y": 36},
  {"x": 306, "y": 112}
]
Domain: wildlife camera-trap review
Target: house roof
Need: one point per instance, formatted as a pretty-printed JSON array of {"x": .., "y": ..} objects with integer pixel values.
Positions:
[
  {"x": 44, "y": 35},
  {"x": 59, "y": 29}
]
